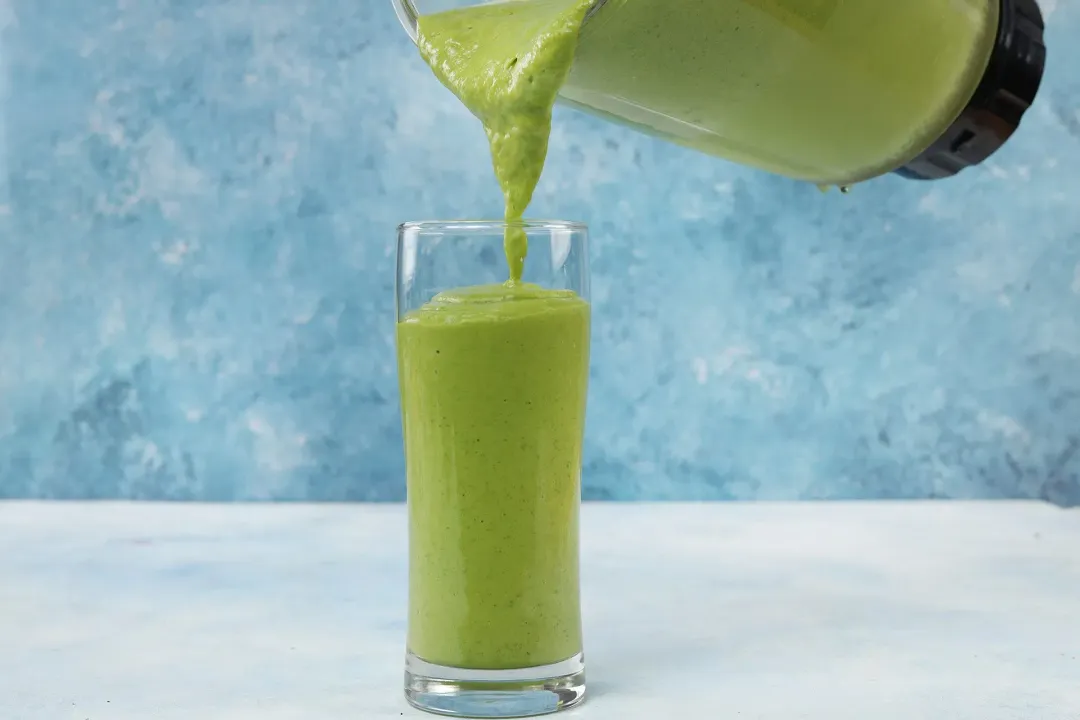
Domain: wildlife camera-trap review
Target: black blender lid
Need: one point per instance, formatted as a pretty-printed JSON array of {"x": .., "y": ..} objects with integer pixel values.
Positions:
[{"x": 1007, "y": 89}]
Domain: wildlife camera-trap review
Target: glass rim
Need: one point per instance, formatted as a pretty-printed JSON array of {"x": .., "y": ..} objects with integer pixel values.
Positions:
[{"x": 465, "y": 226}]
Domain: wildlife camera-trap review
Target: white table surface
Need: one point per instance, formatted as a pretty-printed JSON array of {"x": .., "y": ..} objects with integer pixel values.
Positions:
[{"x": 905, "y": 611}]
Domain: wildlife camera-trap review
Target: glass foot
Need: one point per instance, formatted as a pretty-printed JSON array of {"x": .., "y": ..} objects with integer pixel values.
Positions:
[{"x": 494, "y": 693}]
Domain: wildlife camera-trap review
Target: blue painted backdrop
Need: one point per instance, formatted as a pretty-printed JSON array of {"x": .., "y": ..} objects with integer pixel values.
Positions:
[{"x": 197, "y": 206}]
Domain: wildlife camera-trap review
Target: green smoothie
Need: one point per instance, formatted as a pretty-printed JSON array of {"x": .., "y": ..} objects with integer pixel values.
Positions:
[
  {"x": 506, "y": 63},
  {"x": 831, "y": 91},
  {"x": 493, "y": 382}
]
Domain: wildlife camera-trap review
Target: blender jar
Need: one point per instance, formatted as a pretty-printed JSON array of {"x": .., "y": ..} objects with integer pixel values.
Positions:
[{"x": 830, "y": 91}]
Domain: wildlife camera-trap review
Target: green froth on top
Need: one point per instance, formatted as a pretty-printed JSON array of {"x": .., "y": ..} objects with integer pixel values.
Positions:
[
  {"x": 506, "y": 62},
  {"x": 491, "y": 303}
]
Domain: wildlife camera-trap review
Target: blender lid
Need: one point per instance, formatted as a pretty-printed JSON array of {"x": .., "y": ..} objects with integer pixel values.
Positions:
[{"x": 1007, "y": 89}]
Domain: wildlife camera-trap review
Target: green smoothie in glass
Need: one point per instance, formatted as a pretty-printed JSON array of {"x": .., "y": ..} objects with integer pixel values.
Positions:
[
  {"x": 493, "y": 383},
  {"x": 493, "y": 389}
]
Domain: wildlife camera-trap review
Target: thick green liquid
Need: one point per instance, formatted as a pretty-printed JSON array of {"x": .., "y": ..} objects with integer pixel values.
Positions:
[
  {"x": 493, "y": 382},
  {"x": 506, "y": 63}
]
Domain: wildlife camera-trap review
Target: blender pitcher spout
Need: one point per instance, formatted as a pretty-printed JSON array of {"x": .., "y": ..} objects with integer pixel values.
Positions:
[
  {"x": 409, "y": 11},
  {"x": 407, "y": 16}
]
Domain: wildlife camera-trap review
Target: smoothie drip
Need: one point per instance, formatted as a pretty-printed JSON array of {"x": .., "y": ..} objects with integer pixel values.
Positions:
[{"x": 506, "y": 62}]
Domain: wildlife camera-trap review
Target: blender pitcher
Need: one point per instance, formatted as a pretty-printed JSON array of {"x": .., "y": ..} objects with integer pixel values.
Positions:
[{"x": 829, "y": 91}]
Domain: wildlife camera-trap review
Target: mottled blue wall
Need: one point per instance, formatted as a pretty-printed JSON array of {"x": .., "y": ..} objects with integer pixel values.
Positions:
[{"x": 197, "y": 208}]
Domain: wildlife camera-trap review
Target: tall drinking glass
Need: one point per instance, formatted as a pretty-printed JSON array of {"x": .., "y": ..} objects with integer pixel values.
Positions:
[{"x": 493, "y": 381}]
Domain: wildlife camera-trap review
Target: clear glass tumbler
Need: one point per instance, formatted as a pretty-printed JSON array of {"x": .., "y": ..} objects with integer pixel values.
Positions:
[{"x": 493, "y": 381}]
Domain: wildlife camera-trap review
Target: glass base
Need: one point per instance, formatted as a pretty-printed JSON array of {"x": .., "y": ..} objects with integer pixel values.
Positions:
[{"x": 494, "y": 693}]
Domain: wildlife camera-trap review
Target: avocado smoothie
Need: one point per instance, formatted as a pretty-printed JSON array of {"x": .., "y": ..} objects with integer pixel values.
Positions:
[{"x": 493, "y": 383}]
